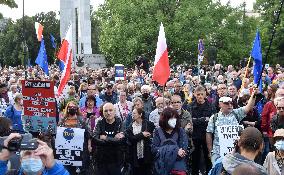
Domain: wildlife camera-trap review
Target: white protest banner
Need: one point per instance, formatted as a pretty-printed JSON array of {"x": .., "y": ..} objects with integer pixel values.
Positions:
[
  {"x": 69, "y": 146},
  {"x": 227, "y": 135}
]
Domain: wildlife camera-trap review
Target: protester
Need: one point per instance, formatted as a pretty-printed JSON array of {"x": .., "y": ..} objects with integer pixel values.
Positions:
[
  {"x": 269, "y": 110},
  {"x": 123, "y": 107},
  {"x": 72, "y": 118},
  {"x": 139, "y": 134},
  {"x": 274, "y": 160},
  {"x": 248, "y": 147},
  {"x": 148, "y": 104},
  {"x": 277, "y": 121},
  {"x": 14, "y": 113},
  {"x": 137, "y": 103},
  {"x": 155, "y": 115},
  {"x": 40, "y": 161},
  {"x": 169, "y": 146},
  {"x": 90, "y": 112},
  {"x": 108, "y": 138},
  {"x": 227, "y": 115},
  {"x": 201, "y": 110}
]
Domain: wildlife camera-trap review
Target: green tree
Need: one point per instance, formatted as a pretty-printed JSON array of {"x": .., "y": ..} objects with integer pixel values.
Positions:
[
  {"x": 268, "y": 11},
  {"x": 9, "y": 3},
  {"x": 130, "y": 28},
  {"x": 11, "y": 38}
]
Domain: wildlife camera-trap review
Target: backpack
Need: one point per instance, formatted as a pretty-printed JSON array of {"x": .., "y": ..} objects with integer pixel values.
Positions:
[
  {"x": 165, "y": 141},
  {"x": 218, "y": 169}
]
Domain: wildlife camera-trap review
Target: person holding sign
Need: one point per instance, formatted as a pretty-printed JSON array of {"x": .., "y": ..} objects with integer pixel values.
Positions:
[
  {"x": 247, "y": 148},
  {"x": 73, "y": 119},
  {"x": 226, "y": 116}
]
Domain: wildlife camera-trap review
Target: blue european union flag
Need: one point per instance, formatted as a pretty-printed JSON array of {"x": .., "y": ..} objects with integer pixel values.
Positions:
[
  {"x": 41, "y": 59},
  {"x": 52, "y": 39},
  {"x": 61, "y": 65},
  {"x": 257, "y": 56}
]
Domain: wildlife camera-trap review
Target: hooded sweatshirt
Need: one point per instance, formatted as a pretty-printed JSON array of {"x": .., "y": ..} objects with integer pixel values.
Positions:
[{"x": 231, "y": 161}]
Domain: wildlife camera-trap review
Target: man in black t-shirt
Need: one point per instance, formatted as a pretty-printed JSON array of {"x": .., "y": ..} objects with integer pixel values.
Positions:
[
  {"x": 201, "y": 110},
  {"x": 109, "y": 141}
]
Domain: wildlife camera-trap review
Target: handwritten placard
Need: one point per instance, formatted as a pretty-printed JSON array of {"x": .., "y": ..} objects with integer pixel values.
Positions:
[
  {"x": 39, "y": 123},
  {"x": 38, "y": 98},
  {"x": 69, "y": 146},
  {"x": 228, "y": 134}
]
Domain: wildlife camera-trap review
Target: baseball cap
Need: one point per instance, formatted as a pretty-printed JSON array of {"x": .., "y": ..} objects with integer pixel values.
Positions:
[
  {"x": 225, "y": 99},
  {"x": 279, "y": 133}
]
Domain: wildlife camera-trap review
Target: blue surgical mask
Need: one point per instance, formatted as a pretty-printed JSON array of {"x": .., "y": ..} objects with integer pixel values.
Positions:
[
  {"x": 279, "y": 145},
  {"x": 32, "y": 166}
]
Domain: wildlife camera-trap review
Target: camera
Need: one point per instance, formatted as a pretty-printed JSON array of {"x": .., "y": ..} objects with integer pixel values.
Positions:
[{"x": 26, "y": 142}]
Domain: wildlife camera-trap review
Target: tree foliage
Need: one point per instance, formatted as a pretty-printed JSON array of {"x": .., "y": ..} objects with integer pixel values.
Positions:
[
  {"x": 11, "y": 38},
  {"x": 269, "y": 10},
  {"x": 9, "y": 3},
  {"x": 130, "y": 28}
]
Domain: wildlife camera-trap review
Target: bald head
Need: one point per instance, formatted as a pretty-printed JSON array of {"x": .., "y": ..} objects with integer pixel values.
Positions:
[{"x": 109, "y": 112}]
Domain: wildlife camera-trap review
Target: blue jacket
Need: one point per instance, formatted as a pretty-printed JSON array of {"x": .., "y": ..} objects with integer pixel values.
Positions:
[
  {"x": 15, "y": 117},
  {"x": 55, "y": 170},
  {"x": 166, "y": 156}
]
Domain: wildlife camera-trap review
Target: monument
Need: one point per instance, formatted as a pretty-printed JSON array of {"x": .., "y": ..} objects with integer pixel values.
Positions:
[{"x": 77, "y": 13}]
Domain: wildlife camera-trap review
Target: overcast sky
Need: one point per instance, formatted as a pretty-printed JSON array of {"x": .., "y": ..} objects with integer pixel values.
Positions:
[{"x": 36, "y": 6}]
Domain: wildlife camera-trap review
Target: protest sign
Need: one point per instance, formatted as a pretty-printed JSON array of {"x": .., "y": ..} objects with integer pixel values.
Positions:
[
  {"x": 228, "y": 134},
  {"x": 119, "y": 72},
  {"x": 39, "y": 105},
  {"x": 69, "y": 146}
]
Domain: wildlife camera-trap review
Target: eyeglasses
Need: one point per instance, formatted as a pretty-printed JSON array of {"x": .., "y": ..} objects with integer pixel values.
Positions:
[
  {"x": 222, "y": 88},
  {"x": 174, "y": 102},
  {"x": 280, "y": 108}
]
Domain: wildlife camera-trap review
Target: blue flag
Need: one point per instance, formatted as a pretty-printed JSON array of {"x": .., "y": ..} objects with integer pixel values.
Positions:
[
  {"x": 41, "y": 59},
  {"x": 257, "y": 56},
  {"x": 52, "y": 39},
  {"x": 61, "y": 65},
  {"x": 200, "y": 47}
]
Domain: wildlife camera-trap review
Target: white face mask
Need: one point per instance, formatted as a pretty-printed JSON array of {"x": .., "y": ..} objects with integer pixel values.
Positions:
[{"x": 172, "y": 122}]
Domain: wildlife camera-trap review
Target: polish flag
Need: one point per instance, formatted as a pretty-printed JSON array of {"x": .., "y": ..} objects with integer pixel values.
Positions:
[
  {"x": 39, "y": 29},
  {"x": 161, "y": 71},
  {"x": 65, "y": 55}
]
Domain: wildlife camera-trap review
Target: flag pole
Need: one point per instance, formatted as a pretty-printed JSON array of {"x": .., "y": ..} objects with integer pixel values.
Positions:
[
  {"x": 246, "y": 71},
  {"x": 271, "y": 40}
]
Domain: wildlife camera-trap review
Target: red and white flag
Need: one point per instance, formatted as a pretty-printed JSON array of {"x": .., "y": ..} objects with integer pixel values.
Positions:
[
  {"x": 39, "y": 30},
  {"x": 66, "y": 56},
  {"x": 161, "y": 71}
]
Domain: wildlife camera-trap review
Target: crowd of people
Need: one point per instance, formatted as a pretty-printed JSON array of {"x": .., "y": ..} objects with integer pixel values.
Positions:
[{"x": 135, "y": 126}]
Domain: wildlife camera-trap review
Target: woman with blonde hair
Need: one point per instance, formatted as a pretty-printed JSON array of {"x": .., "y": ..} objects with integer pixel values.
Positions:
[{"x": 72, "y": 118}]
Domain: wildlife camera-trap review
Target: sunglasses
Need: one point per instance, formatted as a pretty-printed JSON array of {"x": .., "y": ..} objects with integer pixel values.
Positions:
[
  {"x": 280, "y": 108},
  {"x": 174, "y": 102}
]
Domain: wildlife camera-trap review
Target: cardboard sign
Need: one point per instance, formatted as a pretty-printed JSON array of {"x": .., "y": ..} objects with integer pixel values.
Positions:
[
  {"x": 228, "y": 134},
  {"x": 39, "y": 105},
  {"x": 38, "y": 98},
  {"x": 69, "y": 146},
  {"x": 119, "y": 72}
]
